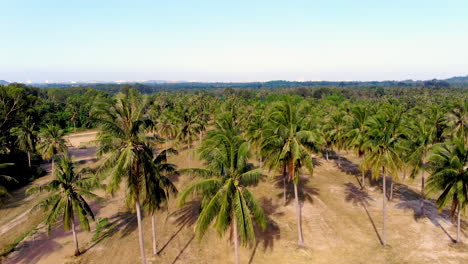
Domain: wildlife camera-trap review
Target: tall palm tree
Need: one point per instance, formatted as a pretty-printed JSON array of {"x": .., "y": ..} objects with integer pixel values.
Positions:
[
  {"x": 67, "y": 193},
  {"x": 158, "y": 185},
  {"x": 420, "y": 135},
  {"x": 167, "y": 126},
  {"x": 356, "y": 134},
  {"x": 122, "y": 138},
  {"x": 458, "y": 120},
  {"x": 26, "y": 137},
  {"x": 51, "y": 143},
  {"x": 335, "y": 130},
  {"x": 449, "y": 164},
  {"x": 188, "y": 129},
  {"x": 383, "y": 148},
  {"x": 287, "y": 134},
  {"x": 226, "y": 198}
]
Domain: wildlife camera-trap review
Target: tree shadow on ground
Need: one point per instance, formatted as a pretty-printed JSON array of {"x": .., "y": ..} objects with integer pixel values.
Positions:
[
  {"x": 123, "y": 222},
  {"x": 428, "y": 209},
  {"x": 272, "y": 231},
  {"x": 36, "y": 249},
  {"x": 350, "y": 168},
  {"x": 359, "y": 197},
  {"x": 183, "y": 249},
  {"x": 305, "y": 192},
  {"x": 40, "y": 244},
  {"x": 407, "y": 198},
  {"x": 183, "y": 217}
]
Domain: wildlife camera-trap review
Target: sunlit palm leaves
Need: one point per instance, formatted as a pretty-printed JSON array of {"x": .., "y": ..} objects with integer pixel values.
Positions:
[{"x": 66, "y": 197}]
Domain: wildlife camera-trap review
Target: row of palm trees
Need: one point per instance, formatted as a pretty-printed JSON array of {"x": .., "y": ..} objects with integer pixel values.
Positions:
[{"x": 389, "y": 137}]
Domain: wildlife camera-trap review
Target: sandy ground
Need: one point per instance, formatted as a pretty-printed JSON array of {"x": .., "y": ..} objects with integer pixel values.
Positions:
[{"x": 341, "y": 223}]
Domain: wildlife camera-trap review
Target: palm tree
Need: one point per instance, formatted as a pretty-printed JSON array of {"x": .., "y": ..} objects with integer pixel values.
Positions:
[
  {"x": 335, "y": 130},
  {"x": 383, "y": 147},
  {"x": 188, "y": 130},
  {"x": 421, "y": 136},
  {"x": 26, "y": 137},
  {"x": 167, "y": 126},
  {"x": 51, "y": 143},
  {"x": 123, "y": 138},
  {"x": 449, "y": 164},
  {"x": 287, "y": 134},
  {"x": 226, "y": 198},
  {"x": 458, "y": 120},
  {"x": 158, "y": 185},
  {"x": 356, "y": 134},
  {"x": 66, "y": 198}
]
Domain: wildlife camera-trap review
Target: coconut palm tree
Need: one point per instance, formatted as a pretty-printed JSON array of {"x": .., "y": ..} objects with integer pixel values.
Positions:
[
  {"x": 383, "y": 153},
  {"x": 66, "y": 199},
  {"x": 122, "y": 138},
  {"x": 158, "y": 185},
  {"x": 51, "y": 143},
  {"x": 449, "y": 177},
  {"x": 188, "y": 129},
  {"x": 224, "y": 187},
  {"x": 458, "y": 120},
  {"x": 420, "y": 136},
  {"x": 335, "y": 130},
  {"x": 355, "y": 135},
  {"x": 287, "y": 135},
  {"x": 26, "y": 137},
  {"x": 167, "y": 126}
]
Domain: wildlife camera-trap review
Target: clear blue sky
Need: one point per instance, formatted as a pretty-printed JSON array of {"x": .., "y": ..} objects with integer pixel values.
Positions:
[{"x": 232, "y": 40}]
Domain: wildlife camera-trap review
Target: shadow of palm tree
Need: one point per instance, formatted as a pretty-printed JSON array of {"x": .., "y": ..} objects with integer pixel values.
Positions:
[
  {"x": 350, "y": 168},
  {"x": 186, "y": 216},
  {"x": 305, "y": 192},
  {"x": 430, "y": 212},
  {"x": 124, "y": 221},
  {"x": 358, "y": 197},
  {"x": 183, "y": 249},
  {"x": 272, "y": 231}
]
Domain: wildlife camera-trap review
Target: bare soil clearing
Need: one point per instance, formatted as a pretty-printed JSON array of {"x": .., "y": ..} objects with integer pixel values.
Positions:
[{"x": 342, "y": 224}]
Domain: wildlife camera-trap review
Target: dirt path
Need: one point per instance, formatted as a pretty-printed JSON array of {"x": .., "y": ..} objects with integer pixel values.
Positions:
[{"x": 20, "y": 210}]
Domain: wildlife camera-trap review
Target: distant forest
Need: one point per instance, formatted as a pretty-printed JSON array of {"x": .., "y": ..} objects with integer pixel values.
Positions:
[{"x": 157, "y": 86}]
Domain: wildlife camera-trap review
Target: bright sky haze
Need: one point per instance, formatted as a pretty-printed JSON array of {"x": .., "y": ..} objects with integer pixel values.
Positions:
[{"x": 232, "y": 40}]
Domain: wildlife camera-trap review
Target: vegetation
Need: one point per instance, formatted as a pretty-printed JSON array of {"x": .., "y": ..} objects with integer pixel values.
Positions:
[
  {"x": 66, "y": 199},
  {"x": 421, "y": 128}
]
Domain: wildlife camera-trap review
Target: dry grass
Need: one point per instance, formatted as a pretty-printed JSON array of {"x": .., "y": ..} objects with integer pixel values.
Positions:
[{"x": 342, "y": 224}]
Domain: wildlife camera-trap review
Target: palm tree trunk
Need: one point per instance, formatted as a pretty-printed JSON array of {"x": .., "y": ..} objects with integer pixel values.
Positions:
[
  {"x": 153, "y": 227},
  {"x": 189, "y": 154},
  {"x": 384, "y": 209},
  {"x": 236, "y": 241},
  {"x": 326, "y": 154},
  {"x": 77, "y": 249},
  {"x": 391, "y": 189},
  {"x": 29, "y": 159},
  {"x": 363, "y": 182},
  {"x": 458, "y": 224},
  {"x": 52, "y": 166},
  {"x": 285, "y": 175},
  {"x": 140, "y": 232},
  {"x": 422, "y": 193},
  {"x": 299, "y": 217}
]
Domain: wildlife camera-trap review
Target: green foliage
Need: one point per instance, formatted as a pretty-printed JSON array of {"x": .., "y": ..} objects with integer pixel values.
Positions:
[
  {"x": 225, "y": 198},
  {"x": 449, "y": 178},
  {"x": 66, "y": 196}
]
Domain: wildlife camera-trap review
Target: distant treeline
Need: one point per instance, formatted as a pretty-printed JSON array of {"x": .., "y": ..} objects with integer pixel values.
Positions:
[{"x": 151, "y": 87}]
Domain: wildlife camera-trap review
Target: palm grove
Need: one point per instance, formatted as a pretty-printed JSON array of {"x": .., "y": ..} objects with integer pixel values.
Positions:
[{"x": 398, "y": 137}]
